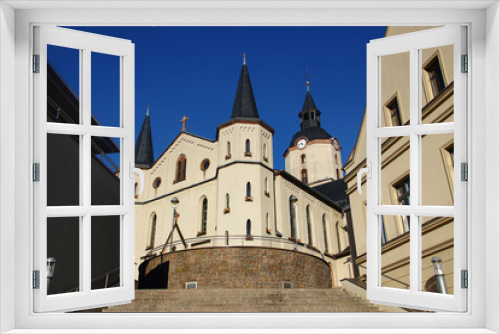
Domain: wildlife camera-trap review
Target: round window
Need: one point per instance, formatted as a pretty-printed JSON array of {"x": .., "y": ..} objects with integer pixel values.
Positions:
[
  {"x": 205, "y": 164},
  {"x": 157, "y": 182}
]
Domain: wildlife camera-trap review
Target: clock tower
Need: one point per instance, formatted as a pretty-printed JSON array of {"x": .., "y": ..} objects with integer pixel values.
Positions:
[{"x": 313, "y": 155}]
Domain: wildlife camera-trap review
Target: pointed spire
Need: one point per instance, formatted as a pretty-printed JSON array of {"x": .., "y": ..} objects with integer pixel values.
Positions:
[
  {"x": 244, "y": 58},
  {"x": 144, "y": 156},
  {"x": 244, "y": 102},
  {"x": 309, "y": 116}
]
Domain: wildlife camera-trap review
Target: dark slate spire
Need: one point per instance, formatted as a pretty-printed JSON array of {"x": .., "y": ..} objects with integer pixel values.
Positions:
[
  {"x": 244, "y": 102},
  {"x": 144, "y": 156},
  {"x": 309, "y": 116}
]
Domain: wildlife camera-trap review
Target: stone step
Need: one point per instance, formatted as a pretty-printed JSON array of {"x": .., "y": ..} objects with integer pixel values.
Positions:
[{"x": 245, "y": 300}]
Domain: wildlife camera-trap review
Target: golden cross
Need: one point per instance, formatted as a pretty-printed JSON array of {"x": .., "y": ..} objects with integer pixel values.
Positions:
[{"x": 183, "y": 121}]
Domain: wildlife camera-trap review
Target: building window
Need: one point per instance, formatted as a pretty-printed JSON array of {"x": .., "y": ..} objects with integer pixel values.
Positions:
[
  {"x": 180, "y": 173},
  {"x": 303, "y": 158},
  {"x": 264, "y": 152},
  {"x": 338, "y": 174},
  {"x": 205, "y": 164},
  {"x": 249, "y": 230},
  {"x": 204, "y": 214},
  {"x": 136, "y": 190},
  {"x": 266, "y": 187},
  {"x": 293, "y": 220},
  {"x": 156, "y": 182},
  {"x": 248, "y": 153},
  {"x": 228, "y": 154},
  {"x": 228, "y": 204},
  {"x": 336, "y": 159},
  {"x": 304, "y": 175},
  {"x": 383, "y": 235},
  {"x": 435, "y": 74},
  {"x": 325, "y": 234},
  {"x": 152, "y": 229},
  {"x": 268, "y": 230},
  {"x": 339, "y": 244},
  {"x": 403, "y": 198},
  {"x": 249, "y": 192},
  {"x": 309, "y": 226},
  {"x": 394, "y": 112}
]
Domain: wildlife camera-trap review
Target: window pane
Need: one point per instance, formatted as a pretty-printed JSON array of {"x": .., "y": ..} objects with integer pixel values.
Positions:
[
  {"x": 63, "y": 85},
  {"x": 105, "y": 252},
  {"x": 105, "y": 89},
  {"x": 395, "y": 161},
  {"x": 63, "y": 170},
  {"x": 105, "y": 171},
  {"x": 437, "y": 169},
  {"x": 395, "y": 261},
  {"x": 395, "y": 92},
  {"x": 437, "y": 84},
  {"x": 437, "y": 254},
  {"x": 63, "y": 245}
]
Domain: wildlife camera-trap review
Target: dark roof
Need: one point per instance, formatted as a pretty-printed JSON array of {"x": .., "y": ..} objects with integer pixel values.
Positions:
[
  {"x": 310, "y": 133},
  {"x": 244, "y": 102},
  {"x": 308, "y": 102},
  {"x": 335, "y": 190},
  {"x": 144, "y": 156}
]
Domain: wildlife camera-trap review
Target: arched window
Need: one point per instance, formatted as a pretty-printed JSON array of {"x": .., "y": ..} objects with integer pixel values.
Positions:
[
  {"x": 339, "y": 245},
  {"x": 249, "y": 228},
  {"x": 180, "y": 172},
  {"x": 303, "y": 158},
  {"x": 204, "y": 213},
  {"x": 152, "y": 236},
  {"x": 325, "y": 234},
  {"x": 267, "y": 222},
  {"x": 249, "y": 192},
  {"x": 293, "y": 220},
  {"x": 247, "y": 148},
  {"x": 228, "y": 155},
  {"x": 304, "y": 175},
  {"x": 336, "y": 159},
  {"x": 338, "y": 174},
  {"x": 266, "y": 188},
  {"x": 309, "y": 226},
  {"x": 227, "y": 209},
  {"x": 264, "y": 152}
]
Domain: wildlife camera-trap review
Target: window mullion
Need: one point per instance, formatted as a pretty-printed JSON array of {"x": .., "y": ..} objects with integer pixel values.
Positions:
[{"x": 415, "y": 173}]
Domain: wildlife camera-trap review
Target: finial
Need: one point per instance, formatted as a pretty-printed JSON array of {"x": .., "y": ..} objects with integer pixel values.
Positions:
[
  {"x": 183, "y": 121},
  {"x": 244, "y": 58},
  {"x": 147, "y": 111},
  {"x": 307, "y": 83}
]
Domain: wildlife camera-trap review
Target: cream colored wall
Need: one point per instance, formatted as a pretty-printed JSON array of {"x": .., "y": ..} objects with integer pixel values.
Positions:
[
  {"x": 237, "y": 134},
  {"x": 320, "y": 161},
  {"x": 437, "y": 172}
]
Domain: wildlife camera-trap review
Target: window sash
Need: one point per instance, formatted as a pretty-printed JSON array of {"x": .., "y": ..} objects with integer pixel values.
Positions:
[{"x": 413, "y": 297}]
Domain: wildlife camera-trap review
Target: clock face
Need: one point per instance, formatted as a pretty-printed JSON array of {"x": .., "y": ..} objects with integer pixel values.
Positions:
[{"x": 301, "y": 143}]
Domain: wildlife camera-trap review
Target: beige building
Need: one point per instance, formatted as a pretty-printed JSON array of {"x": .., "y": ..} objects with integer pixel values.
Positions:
[
  {"x": 437, "y": 168},
  {"x": 229, "y": 194}
]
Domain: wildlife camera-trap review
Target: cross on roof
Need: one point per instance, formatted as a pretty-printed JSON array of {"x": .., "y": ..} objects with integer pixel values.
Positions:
[{"x": 183, "y": 121}]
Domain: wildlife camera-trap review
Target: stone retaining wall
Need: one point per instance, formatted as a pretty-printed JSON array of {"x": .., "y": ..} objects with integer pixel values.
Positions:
[{"x": 238, "y": 267}]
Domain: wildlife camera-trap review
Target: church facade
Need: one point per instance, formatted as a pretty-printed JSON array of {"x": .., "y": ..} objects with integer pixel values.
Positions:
[{"x": 203, "y": 194}]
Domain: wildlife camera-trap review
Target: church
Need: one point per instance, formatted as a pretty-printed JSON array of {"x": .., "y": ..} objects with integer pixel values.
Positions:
[{"x": 215, "y": 213}]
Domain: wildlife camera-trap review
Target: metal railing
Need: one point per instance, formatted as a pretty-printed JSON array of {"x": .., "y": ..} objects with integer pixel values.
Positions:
[
  {"x": 386, "y": 276},
  {"x": 109, "y": 280},
  {"x": 235, "y": 241}
]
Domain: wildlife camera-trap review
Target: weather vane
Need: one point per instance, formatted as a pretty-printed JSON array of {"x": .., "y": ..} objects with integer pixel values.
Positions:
[{"x": 308, "y": 78}]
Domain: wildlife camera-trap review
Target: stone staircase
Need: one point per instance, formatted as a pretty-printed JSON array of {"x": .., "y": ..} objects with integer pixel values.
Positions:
[{"x": 336, "y": 299}]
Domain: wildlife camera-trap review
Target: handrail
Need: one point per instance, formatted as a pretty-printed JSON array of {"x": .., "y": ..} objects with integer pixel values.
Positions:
[
  {"x": 386, "y": 276},
  {"x": 104, "y": 276},
  {"x": 245, "y": 240}
]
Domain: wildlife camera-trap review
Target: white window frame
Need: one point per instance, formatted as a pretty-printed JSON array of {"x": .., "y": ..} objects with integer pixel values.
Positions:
[{"x": 484, "y": 212}]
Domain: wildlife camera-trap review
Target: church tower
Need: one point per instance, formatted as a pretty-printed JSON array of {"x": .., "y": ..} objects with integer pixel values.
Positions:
[
  {"x": 144, "y": 157},
  {"x": 313, "y": 155},
  {"x": 246, "y": 195}
]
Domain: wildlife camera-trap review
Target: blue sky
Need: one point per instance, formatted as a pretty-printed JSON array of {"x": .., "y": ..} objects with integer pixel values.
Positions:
[{"x": 194, "y": 71}]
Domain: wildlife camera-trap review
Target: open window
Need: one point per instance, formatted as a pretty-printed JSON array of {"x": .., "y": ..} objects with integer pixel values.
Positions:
[
  {"x": 424, "y": 135},
  {"x": 84, "y": 204}
]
